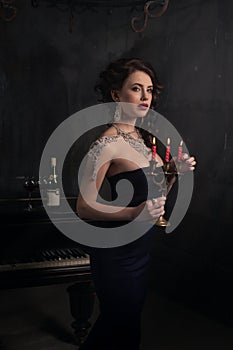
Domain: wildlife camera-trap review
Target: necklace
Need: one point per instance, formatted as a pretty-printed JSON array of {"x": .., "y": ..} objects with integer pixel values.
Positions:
[
  {"x": 136, "y": 143},
  {"x": 125, "y": 133}
]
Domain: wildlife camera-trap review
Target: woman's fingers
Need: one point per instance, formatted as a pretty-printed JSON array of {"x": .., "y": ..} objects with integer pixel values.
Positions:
[
  {"x": 190, "y": 162},
  {"x": 155, "y": 213},
  {"x": 156, "y": 206},
  {"x": 157, "y": 202}
]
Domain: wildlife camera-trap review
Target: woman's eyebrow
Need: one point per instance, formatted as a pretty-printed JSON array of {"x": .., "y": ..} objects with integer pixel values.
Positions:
[{"x": 141, "y": 84}]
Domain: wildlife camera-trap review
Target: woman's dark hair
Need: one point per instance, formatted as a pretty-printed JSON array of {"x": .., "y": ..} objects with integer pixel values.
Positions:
[{"x": 114, "y": 76}]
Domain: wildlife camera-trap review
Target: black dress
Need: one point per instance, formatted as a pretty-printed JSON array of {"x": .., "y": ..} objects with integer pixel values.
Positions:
[{"x": 120, "y": 276}]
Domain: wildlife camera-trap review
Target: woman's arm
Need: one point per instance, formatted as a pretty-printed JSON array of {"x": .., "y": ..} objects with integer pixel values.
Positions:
[{"x": 89, "y": 208}]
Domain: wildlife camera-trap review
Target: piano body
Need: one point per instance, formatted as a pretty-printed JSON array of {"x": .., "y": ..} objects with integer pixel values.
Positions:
[{"x": 33, "y": 252}]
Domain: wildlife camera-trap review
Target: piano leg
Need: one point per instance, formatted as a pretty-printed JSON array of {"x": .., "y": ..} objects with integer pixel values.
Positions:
[{"x": 82, "y": 298}]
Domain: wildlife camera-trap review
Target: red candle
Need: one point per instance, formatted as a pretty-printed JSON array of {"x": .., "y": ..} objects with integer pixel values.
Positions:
[
  {"x": 153, "y": 149},
  {"x": 179, "y": 158},
  {"x": 167, "y": 156}
]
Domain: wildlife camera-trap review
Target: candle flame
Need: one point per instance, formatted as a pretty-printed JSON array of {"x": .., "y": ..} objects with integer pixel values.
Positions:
[
  {"x": 168, "y": 141},
  {"x": 181, "y": 143},
  {"x": 153, "y": 141}
]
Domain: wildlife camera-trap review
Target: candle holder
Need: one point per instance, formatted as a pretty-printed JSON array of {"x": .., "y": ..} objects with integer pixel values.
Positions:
[{"x": 159, "y": 177}]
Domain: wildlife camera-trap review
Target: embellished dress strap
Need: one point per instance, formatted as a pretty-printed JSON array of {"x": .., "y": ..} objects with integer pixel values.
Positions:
[{"x": 96, "y": 149}]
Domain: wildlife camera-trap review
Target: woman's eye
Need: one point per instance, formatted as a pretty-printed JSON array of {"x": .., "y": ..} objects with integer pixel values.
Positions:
[
  {"x": 150, "y": 90},
  {"x": 135, "y": 88}
]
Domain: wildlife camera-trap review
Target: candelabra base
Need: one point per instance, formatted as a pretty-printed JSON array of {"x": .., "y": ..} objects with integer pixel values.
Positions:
[{"x": 162, "y": 222}]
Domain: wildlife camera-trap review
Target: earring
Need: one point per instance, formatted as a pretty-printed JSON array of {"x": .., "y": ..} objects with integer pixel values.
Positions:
[{"x": 117, "y": 114}]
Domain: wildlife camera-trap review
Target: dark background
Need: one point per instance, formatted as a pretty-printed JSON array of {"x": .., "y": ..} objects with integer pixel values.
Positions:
[{"x": 48, "y": 73}]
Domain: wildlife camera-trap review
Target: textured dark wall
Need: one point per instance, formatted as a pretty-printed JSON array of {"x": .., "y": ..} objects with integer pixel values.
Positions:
[{"x": 47, "y": 74}]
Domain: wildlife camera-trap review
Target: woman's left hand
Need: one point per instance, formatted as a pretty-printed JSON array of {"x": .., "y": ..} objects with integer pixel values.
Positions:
[{"x": 187, "y": 163}]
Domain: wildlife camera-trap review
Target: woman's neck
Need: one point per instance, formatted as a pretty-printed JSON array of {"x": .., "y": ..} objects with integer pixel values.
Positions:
[{"x": 126, "y": 125}]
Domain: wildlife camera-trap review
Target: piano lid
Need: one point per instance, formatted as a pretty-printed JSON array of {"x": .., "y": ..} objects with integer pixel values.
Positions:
[{"x": 15, "y": 211}]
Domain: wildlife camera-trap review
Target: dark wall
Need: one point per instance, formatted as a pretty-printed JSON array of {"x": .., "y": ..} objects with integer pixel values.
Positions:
[{"x": 47, "y": 74}]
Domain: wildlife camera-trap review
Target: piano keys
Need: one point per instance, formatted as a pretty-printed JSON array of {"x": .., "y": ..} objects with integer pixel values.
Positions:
[
  {"x": 33, "y": 252},
  {"x": 45, "y": 267}
]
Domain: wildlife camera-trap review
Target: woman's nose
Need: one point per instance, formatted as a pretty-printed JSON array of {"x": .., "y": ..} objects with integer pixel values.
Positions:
[{"x": 144, "y": 96}]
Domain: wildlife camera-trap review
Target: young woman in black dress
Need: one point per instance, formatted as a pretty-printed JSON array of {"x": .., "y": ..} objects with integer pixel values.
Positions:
[{"x": 121, "y": 152}]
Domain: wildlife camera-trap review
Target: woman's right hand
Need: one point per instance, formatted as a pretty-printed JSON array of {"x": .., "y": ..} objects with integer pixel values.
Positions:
[{"x": 155, "y": 207}]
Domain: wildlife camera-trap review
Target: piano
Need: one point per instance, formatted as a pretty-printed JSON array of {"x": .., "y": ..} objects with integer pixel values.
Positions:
[{"x": 33, "y": 252}]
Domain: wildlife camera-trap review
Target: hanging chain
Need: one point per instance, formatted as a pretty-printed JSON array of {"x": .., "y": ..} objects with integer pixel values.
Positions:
[
  {"x": 151, "y": 9},
  {"x": 148, "y": 14}
]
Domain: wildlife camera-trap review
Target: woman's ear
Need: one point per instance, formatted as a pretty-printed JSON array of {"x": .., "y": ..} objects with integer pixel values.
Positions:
[{"x": 115, "y": 95}]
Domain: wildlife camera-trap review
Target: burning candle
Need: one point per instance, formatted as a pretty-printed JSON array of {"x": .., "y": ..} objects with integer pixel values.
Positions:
[
  {"x": 179, "y": 158},
  {"x": 153, "y": 149},
  {"x": 167, "y": 156}
]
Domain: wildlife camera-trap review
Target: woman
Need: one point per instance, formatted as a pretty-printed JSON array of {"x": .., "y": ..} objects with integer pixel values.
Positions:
[{"x": 120, "y": 273}]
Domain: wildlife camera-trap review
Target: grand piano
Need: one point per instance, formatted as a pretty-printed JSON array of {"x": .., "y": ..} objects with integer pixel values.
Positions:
[{"x": 33, "y": 252}]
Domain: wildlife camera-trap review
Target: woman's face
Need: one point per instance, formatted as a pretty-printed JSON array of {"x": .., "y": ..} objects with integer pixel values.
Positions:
[{"x": 138, "y": 90}]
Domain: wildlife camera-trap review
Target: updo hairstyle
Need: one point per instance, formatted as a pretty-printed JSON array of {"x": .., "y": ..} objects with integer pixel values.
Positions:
[{"x": 114, "y": 76}]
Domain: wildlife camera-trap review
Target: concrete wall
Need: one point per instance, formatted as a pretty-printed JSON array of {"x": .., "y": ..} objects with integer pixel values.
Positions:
[{"x": 48, "y": 73}]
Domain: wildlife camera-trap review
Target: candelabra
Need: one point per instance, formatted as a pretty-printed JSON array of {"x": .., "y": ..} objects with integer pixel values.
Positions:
[{"x": 159, "y": 178}]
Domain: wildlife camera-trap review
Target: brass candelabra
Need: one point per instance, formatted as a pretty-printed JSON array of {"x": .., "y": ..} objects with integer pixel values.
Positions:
[{"x": 160, "y": 178}]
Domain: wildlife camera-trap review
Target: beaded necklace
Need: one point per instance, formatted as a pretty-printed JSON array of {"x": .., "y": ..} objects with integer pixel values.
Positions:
[{"x": 125, "y": 134}]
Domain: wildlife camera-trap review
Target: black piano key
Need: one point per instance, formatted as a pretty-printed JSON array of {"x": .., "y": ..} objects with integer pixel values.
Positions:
[
  {"x": 75, "y": 255},
  {"x": 58, "y": 254},
  {"x": 48, "y": 255},
  {"x": 55, "y": 255},
  {"x": 81, "y": 252},
  {"x": 72, "y": 254},
  {"x": 65, "y": 253},
  {"x": 78, "y": 253}
]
